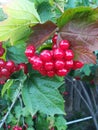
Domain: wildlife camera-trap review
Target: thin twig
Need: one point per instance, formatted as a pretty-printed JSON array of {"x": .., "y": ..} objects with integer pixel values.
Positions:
[
  {"x": 9, "y": 110},
  {"x": 57, "y": 5}
]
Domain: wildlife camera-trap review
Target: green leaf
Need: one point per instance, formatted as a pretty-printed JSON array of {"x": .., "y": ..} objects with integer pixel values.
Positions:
[
  {"x": 41, "y": 95},
  {"x": 86, "y": 69},
  {"x": 18, "y": 111},
  {"x": 2, "y": 15},
  {"x": 21, "y": 15},
  {"x": 41, "y": 122},
  {"x": 15, "y": 89},
  {"x": 45, "y": 11},
  {"x": 29, "y": 120},
  {"x": 30, "y": 129},
  {"x": 16, "y": 52},
  {"x": 82, "y": 34},
  {"x": 60, "y": 123},
  {"x": 6, "y": 86}
]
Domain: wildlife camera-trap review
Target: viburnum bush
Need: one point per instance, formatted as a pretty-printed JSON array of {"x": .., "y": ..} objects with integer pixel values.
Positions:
[{"x": 40, "y": 44}]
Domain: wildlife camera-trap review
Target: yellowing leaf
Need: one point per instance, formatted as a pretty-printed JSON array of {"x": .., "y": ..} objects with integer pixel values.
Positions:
[{"x": 21, "y": 15}]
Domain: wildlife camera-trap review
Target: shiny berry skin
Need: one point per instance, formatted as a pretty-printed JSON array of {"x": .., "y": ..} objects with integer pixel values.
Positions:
[
  {"x": 31, "y": 59},
  {"x": 23, "y": 66},
  {"x": 69, "y": 64},
  {"x": 2, "y": 63},
  {"x": 62, "y": 72},
  {"x": 45, "y": 55},
  {"x": 30, "y": 51},
  {"x": 49, "y": 65},
  {"x": 50, "y": 73},
  {"x": 8, "y": 126},
  {"x": 77, "y": 65},
  {"x": 54, "y": 47},
  {"x": 59, "y": 64},
  {"x": 10, "y": 65},
  {"x": 54, "y": 39},
  {"x": 5, "y": 72},
  {"x": 58, "y": 53},
  {"x": 37, "y": 63},
  {"x": 64, "y": 44},
  {"x": 43, "y": 71},
  {"x": 2, "y": 51},
  {"x": 69, "y": 55},
  {"x": 17, "y": 128}
]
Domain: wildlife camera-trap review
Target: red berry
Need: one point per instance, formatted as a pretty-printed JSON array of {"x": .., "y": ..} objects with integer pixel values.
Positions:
[
  {"x": 54, "y": 39},
  {"x": 59, "y": 64},
  {"x": 5, "y": 72},
  {"x": 17, "y": 128},
  {"x": 31, "y": 59},
  {"x": 69, "y": 64},
  {"x": 2, "y": 51},
  {"x": 51, "y": 73},
  {"x": 8, "y": 126},
  {"x": 10, "y": 65},
  {"x": 62, "y": 72},
  {"x": 37, "y": 63},
  {"x": 54, "y": 47},
  {"x": 64, "y": 44},
  {"x": 69, "y": 55},
  {"x": 49, "y": 65},
  {"x": 58, "y": 53},
  {"x": 45, "y": 55},
  {"x": 43, "y": 71},
  {"x": 23, "y": 66},
  {"x": 77, "y": 65},
  {"x": 2, "y": 63},
  {"x": 30, "y": 50}
]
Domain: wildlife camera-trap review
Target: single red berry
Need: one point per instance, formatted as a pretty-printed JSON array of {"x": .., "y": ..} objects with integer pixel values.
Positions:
[
  {"x": 58, "y": 53},
  {"x": 62, "y": 72},
  {"x": 23, "y": 66},
  {"x": 2, "y": 63},
  {"x": 5, "y": 72},
  {"x": 77, "y": 78},
  {"x": 43, "y": 71},
  {"x": 64, "y": 44},
  {"x": 49, "y": 65},
  {"x": 2, "y": 51},
  {"x": 54, "y": 39},
  {"x": 59, "y": 64},
  {"x": 54, "y": 47},
  {"x": 10, "y": 65},
  {"x": 45, "y": 55},
  {"x": 51, "y": 73},
  {"x": 77, "y": 65},
  {"x": 69, "y": 64},
  {"x": 8, "y": 126},
  {"x": 30, "y": 51},
  {"x": 69, "y": 55},
  {"x": 19, "y": 128},
  {"x": 37, "y": 63},
  {"x": 31, "y": 59}
]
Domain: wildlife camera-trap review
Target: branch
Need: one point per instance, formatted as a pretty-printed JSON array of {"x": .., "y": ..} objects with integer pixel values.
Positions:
[{"x": 9, "y": 110}]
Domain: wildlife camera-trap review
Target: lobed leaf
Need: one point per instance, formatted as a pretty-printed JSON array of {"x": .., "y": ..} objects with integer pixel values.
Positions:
[
  {"x": 42, "y": 32},
  {"x": 80, "y": 27},
  {"x": 40, "y": 95},
  {"x": 21, "y": 15}
]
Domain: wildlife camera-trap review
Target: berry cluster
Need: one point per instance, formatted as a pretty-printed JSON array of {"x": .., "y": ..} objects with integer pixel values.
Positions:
[
  {"x": 8, "y": 67},
  {"x": 17, "y": 128},
  {"x": 58, "y": 61}
]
